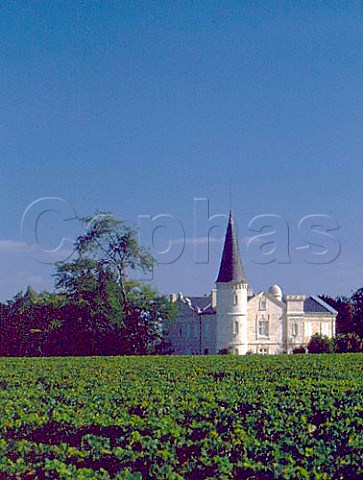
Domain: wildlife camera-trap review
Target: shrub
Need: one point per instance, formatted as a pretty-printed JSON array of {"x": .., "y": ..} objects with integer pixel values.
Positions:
[
  {"x": 300, "y": 349},
  {"x": 224, "y": 351},
  {"x": 320, "y": 344}
]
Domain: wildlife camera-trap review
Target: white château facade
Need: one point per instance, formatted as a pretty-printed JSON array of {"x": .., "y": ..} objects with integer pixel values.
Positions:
[{"x": 234, "y": 319}]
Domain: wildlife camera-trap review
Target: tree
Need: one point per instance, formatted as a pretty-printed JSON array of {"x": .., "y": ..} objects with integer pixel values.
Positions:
[
  {"x": 89, "y": 283},
  {"x": 93, "y": 310},
  {"x": 124, "y": 316},
  {"x": 348, "y": 343},
  {"x": 148, "y": 314},
  {"x": 96, "y": 310},
  {"x": 27, "y": 322},
  {"x": 113, "y": 244},
  {"x": 345, "y": 309},
  {"x": 357, "y": 302}
]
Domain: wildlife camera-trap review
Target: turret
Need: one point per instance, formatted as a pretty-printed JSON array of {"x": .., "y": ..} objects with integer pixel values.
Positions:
[{"x": 231, "y": 297}]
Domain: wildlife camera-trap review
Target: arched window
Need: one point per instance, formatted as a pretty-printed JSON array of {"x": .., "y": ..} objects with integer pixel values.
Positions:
[
  {"x": 235, "y": 299},
  {"x": 235, "y": 327}
]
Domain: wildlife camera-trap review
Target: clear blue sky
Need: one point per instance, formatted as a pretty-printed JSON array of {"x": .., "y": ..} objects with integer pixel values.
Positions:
[{"x": 141, "y": 107}]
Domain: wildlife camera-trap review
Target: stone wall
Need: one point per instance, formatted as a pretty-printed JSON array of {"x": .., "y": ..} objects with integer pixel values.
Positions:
[{"x": 268, "y": 338}]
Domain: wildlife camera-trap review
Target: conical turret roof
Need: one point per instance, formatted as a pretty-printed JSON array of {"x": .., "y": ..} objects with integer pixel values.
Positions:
[{"x": 231, "y": 269}]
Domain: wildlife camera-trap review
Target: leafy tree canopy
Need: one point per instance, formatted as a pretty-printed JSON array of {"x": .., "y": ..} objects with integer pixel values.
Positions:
[{"x": 114, "y": 245}]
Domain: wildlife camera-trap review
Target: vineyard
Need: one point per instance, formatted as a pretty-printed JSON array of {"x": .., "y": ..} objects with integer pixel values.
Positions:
[{"x": 252, "y": 417}]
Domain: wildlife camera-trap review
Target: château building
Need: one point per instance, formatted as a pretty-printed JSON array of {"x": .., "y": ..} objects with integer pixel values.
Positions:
[{"x": 232, "y": 318}]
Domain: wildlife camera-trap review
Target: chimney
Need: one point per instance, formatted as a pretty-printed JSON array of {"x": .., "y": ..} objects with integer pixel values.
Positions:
[{"x": 173, "y": 297}]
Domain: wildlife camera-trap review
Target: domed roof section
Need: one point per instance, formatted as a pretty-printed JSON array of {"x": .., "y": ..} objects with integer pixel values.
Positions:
[{"x": 276, "y": 291}]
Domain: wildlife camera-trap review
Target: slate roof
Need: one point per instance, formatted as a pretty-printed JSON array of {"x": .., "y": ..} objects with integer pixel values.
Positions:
[
  {"x": 231, "y": 269},
  {"x": 200, "y": 305},
  {"x": 317, "y": 305},
  {"x": 312, "y": 305},
  {"x": 200, "y": 302}
]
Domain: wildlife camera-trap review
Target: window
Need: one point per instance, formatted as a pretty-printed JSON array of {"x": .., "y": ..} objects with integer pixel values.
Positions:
[
  {"x": 180, "y": 332},
  {"x": 206, "y": 329},
  {"x": 235, "y": 327},
  {"x": 294, "y": 329},
  {"x": 325, "y": 328},
  {"x": 236, "y": 352},
  {"x": 263, "y": 351},
  {"x": 263, "y": 327},
  {"x": 235, "y": 299},
  {"x": 262, "y": 305},
  {"x": 308, "y": 329}
]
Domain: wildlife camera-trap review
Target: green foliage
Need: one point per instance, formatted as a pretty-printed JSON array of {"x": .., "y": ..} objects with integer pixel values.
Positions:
[
  {"x": 87, "y": 318},
  {"x": 208, "y": 417},
  {"x": 149, "y": 313},
  {"x": 112, "y": 243},
  {"x": 26, "y": 322},
  {"x": 91, "y": 291}
]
